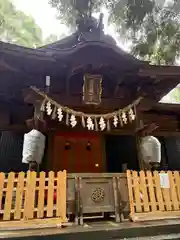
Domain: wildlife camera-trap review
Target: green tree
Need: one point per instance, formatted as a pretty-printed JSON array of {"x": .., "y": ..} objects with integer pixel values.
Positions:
[
  {"x": 152, "y": 26},
  {"x": 18, "y": 28},
  {"x": 70, "y": 10},
  {"x": 53, "y": 38},
  {"x": 175, "y": 95}
]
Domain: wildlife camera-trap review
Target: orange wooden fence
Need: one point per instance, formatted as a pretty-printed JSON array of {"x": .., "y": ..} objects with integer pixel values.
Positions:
[
  {"x": 150, "y": 198},
  {"x": 31, "y": 196}
]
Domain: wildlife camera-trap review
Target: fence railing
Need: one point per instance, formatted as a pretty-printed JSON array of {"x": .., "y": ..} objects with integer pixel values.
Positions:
[
  {"x": 42, "y": 196},
  {"x": 154, "y": 195},
  {"x": 27, "y": 196}
]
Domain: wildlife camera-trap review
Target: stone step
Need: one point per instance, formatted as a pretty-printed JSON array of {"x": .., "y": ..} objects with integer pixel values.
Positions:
[{"x": 159, "y": 237}]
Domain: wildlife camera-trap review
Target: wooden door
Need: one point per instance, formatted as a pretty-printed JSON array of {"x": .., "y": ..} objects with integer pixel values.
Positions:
[{"x": 77, "y": 153}]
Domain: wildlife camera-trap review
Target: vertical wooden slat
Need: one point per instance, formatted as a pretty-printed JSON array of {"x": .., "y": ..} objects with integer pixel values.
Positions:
[
  {"x": 2, "y": 178},
  {"x": 137, "y": 192},
  {"x": 31, "y": 197},
  {"x": 77, "y": 201},
  {"x": 61, "y": 195},
  {"x": 143, "y": 188},
  {"x": 41, "y": 195},
  {"x": 81, "y": 219},
  {"x": 173, "y": 192},
  {"x": 166, "y": 196},
  {"x": 116, "y": 204},
  {"x": 177, "y": 179},
  {"x": 158, "y": 191},
  {"x": 157, "y": 197},
  {"x": 27, "y": 195},
  {"x": 19, "y": 196},
  {"x": 8, "y": 199},
  {"x": 64, "y": 202},
  {"x": 50, "y": 195},
  {"x": 151, "y": 191},
  {"x": 130, "y": 190},
  {"x": 59, "y": 192}
]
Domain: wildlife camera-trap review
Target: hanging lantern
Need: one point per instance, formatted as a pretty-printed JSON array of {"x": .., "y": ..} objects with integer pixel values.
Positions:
[
  {"x": 33, "y": 147},
  {"x": 151, "y": 149},
  {"x": 92, "y": 89}
]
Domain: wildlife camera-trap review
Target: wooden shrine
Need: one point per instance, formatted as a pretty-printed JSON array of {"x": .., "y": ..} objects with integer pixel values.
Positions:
[{"x": 92, "y": 101}]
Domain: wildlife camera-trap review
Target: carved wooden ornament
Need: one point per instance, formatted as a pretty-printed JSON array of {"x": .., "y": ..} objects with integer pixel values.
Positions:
[{"x": 92, "y": 89}]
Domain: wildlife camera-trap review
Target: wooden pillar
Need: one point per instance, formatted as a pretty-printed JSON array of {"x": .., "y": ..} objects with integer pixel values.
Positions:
[
  {"x": 140, "y": 159},
  {"x": 139, "y": 123},
  {"x": 37, "y": 110}
]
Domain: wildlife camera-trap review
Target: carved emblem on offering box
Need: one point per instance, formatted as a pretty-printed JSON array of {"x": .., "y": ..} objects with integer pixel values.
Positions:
[{"x": 98, "y": 195}]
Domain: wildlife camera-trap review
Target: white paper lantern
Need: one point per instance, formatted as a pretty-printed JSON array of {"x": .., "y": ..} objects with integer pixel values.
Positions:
[
  {"x": 33, "y": 147},
  {"x": 151, "y": 149}
]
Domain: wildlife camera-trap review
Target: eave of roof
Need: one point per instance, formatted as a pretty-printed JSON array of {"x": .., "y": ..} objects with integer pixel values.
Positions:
[
  {"x": 56, "y": 60},
  {"x": 99, "y": 54},
  {"x": 167, "y": 107},
  {"x": 51, "y": 53}
]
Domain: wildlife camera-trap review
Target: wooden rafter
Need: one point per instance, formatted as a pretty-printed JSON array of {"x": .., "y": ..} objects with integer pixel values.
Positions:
[
  {"x": 155, "y": 71},
  {"x": 119, "y": 82}
]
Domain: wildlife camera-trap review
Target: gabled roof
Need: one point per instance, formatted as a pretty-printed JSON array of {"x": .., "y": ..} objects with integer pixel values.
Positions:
[
  {"x": 78, "y": 52},
  {"x": 68, "y": 54},
  {"x": 80, "y": 40}
]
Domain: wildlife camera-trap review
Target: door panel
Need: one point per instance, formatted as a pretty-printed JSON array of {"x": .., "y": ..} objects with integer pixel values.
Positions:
[
  {"x": 84, "y": 153},
  {"x": 173, "y": 152}
]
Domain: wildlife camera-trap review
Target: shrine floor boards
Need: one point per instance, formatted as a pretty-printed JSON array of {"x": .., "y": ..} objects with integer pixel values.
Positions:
[{"x": 166, "y": 229}]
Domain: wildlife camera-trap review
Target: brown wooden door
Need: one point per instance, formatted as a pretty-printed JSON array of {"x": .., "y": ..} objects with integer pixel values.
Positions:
[{"x": 77, "y": 153}]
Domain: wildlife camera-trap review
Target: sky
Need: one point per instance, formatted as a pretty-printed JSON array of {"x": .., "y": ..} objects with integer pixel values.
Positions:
[{"x": 45, "y": 17}]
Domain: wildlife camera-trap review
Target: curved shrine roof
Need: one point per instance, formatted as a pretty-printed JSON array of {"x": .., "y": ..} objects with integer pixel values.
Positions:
[
  {"x": 77, "y": 52},
  {"x": 78, "y": 41},
  {"x": 79, "y": 49}
]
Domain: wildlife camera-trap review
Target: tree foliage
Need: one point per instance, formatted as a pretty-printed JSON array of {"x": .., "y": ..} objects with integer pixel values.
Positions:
[
  {"x": 70, "y": 10},
  {"x": 18, "y": 28},
  {"x": 153, "y": 26},
  {"x": 53, "y": 38},
  {"x": 175, "y": 95}
]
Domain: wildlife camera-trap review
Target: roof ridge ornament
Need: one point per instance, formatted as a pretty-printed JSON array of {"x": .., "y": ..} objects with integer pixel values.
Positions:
[{"x": 90, "y": 28}]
